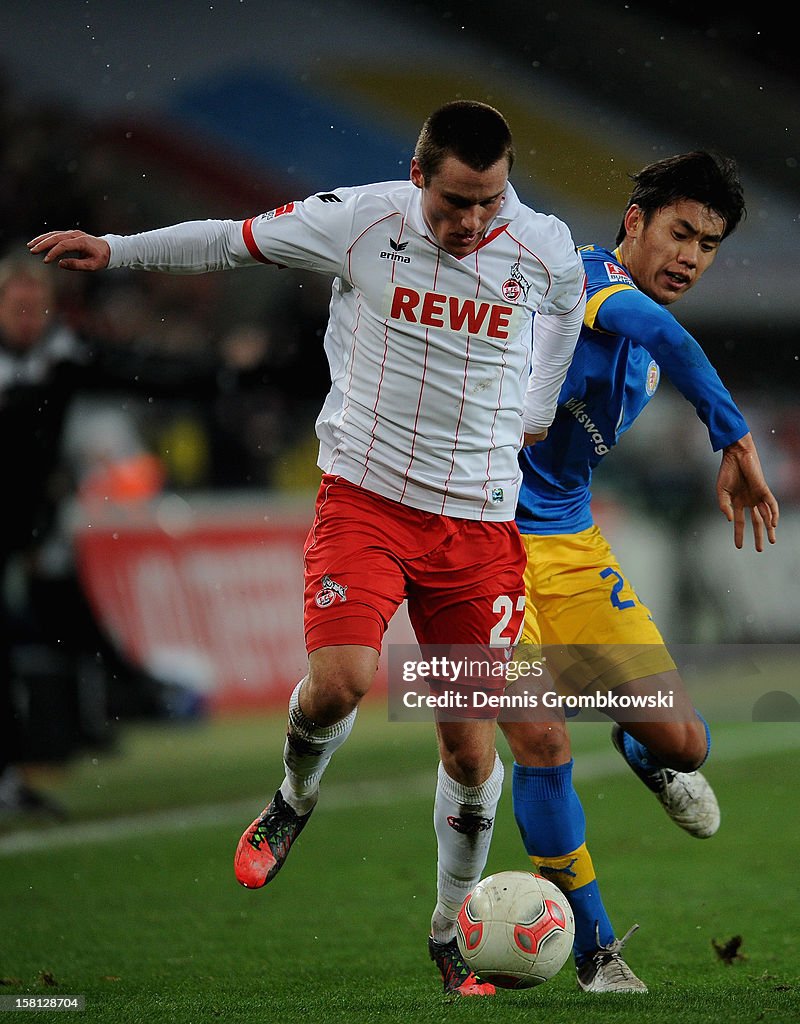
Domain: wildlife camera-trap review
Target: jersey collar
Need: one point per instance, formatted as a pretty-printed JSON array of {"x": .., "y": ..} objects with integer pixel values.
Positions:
[{"x": 618, "y": 257}]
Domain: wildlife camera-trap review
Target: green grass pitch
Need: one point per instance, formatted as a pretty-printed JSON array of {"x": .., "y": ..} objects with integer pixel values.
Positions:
[{"x": 133, "y": 903}]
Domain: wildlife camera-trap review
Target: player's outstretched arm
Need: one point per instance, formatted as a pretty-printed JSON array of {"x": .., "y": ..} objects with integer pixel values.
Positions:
[
  {"x": 72, "y": 250},
  {"x": 740, "y": 486}
]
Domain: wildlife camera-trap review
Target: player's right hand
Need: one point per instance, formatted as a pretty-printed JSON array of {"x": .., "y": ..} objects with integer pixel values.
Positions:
[{"x": 72, "y": 250}]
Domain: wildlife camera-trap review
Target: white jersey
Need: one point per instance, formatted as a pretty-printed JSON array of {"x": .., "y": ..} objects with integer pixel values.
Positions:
[{"x": 429, "y": 354}]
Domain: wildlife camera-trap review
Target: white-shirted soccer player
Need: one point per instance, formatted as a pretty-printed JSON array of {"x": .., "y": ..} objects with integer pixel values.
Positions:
[{"x": 429, "y": 345}]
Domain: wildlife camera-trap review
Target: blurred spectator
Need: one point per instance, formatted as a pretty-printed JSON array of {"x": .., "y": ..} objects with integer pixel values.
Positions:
[
  {"x": 44, "y": 367},
  {"x": 300, "y": 322},
  {"x": 55, "y": 166},
  {"x": 248, "y": 431}
]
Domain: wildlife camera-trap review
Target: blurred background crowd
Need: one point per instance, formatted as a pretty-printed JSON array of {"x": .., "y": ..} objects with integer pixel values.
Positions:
[{"x": 117, "y": 117}]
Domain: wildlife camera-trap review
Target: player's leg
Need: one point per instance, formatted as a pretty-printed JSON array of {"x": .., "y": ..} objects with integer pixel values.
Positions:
[
  {"x": 616, "y": 647},
  {"x": 322, "y": 710},
  {"x": 667, "y": 752},
  {"x": 547, "y": 808},
  {"x": 468, "y": 788},
  {"x": 467, "y": 597},
  {"x": 552, "y": 824},
  {"x": 677, "y": 736},
  {"x": 352, "y": 587}
]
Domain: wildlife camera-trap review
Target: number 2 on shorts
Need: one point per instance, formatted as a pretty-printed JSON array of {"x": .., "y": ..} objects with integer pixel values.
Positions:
[{"x": 615, "y": 599}]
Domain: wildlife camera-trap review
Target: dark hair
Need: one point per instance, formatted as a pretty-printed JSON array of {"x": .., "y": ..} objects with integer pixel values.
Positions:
[
  {"x": 473, "y": 132},
  {"x": 704, "y": 177}
]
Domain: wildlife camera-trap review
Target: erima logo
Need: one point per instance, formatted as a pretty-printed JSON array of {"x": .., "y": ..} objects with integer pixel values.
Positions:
[
  {"x": 396, "y": 255},
  {"x": 328, "y": 197},
  {"x": 578, "y": 411}
]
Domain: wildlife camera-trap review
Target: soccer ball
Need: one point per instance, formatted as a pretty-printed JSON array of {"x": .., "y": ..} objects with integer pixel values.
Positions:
[{"x": 515, "y": 929}]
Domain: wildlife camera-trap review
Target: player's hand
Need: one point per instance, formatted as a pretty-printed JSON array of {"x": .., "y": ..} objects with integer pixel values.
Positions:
[
  {"x": 741, "y": 486},
  {"x": 72, "y": 250},
  {"x": 534, "y": 438}
]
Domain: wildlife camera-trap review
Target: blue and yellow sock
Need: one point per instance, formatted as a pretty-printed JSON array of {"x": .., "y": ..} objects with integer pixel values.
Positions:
[{"x": 551, "y": 821}]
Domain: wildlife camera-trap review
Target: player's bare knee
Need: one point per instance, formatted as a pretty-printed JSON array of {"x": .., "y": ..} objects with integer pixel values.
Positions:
[
  {"x": 336, "y": 683},
  {"x": 538, "y": 744},
  {"x": 326, "y": 702},
  {"x": 467, "y": 750},
  {"x": 469, "y": 763}
]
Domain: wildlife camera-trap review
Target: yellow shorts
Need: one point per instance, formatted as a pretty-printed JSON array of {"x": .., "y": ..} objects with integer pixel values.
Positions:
[{"x": 585, "y": 616}]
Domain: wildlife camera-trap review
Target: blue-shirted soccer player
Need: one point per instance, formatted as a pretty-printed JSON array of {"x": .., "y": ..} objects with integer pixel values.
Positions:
[{"x": 679, "y": 212}]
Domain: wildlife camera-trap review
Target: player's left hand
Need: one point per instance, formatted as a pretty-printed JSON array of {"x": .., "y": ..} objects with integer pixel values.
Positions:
[
  {"x": 534, "y": 438},
  {"x": 740, "y": 486}
]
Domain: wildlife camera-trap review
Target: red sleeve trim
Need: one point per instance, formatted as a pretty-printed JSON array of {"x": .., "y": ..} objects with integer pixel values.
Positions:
[{"x": 250, "y": 242}]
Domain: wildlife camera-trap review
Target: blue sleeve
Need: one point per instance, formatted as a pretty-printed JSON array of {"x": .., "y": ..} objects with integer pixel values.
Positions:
[{"x": 632, "y": 314}]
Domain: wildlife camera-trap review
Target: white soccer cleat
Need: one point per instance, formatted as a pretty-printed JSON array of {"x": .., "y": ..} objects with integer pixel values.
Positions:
[
  {"x": 689, "y": 800},
  {"x": 606, "y": 971},
  {"x": 687, "y": 797}
]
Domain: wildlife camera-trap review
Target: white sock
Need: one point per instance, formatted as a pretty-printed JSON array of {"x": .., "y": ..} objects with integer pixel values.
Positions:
[
  {"x": 463, "y": 817},
  {"x": 306, "y": 753}
]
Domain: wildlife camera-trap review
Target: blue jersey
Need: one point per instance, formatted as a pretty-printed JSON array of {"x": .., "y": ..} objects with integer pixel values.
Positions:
[{"x": 625, "y": 342}]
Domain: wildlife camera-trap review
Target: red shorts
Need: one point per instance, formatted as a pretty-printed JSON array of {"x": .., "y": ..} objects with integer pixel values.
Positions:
[{"x": 365, "y": 555}]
